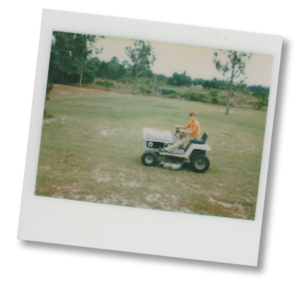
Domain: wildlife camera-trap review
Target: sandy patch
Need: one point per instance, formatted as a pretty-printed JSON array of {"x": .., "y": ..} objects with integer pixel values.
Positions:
[
  {"x": 47, "y": 167},
  {"x": 155, "y": 187},
  {"x": 91, "y": 198},
  {"x": 104, "y": 179},
  {"x": 196, "y": 186},
  {"x": 49, "y": 120},
  {"x": 167, "y": 207},
  {"x": 107, "y": 132},
  {"x": 185, "y": 210},
  {"x": 63, "y": 119},
  {"x": 58, "y": 195},
  {"x": 153, "y": 197},
  {"x": 228, "y": 205},
  {"x": 131, "y": 184},
  {"x": 143, "y": 205},
  {"x": 101, "y": 176}
]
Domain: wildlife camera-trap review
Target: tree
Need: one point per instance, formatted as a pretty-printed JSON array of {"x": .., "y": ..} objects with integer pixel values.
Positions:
[
  {"x": 81, "y": 51},
  {"x": 71, "y": 56},
  {"x": 179, "y": 80},
  {"x": 236, "y": 67},
  {"x": 141, "y": 56},
  {"x": 263, "y": 99}
]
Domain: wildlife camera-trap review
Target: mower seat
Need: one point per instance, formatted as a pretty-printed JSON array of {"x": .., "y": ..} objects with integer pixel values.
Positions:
[{"x": 201, "y": 140}]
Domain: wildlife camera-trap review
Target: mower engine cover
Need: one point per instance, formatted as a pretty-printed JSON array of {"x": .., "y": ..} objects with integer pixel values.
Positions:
[{"x": 157, "y": 135}]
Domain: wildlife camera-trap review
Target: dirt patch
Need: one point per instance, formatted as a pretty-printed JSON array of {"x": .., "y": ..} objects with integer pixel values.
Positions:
[
  {"x": 228, "y": 205},
  {"x": 131, "y": 184},
  {"x": 105, "y": 178},
  {"x": 49, "y": 120},
  {"x": 185, "y": 210},
  {"x": 196, "y": 186},
  {"x": 63, "y": 119},
  {"x": 153, "y": 197},
  {"x": 107, "y": 132},
  {"x": 156, "y": 188},
  {"x": 91, "y": 198},
  {"x": 101, "y": 176}
]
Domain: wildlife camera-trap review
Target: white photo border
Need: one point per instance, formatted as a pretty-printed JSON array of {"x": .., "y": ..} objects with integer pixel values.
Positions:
[{"x": 95, "y": 225}]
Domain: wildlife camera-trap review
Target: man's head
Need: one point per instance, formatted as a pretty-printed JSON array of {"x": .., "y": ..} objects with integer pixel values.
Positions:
[{"x": 193, "y": 116}]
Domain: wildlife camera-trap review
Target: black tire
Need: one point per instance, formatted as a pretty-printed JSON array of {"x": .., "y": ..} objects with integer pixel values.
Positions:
[
  {"x": 200, "y": 163},
  {"x": 149, "y": 158}
]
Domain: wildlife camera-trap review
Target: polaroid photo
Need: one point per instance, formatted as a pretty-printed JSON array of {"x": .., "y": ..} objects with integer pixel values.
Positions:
[{"x": 150, "y": 137}]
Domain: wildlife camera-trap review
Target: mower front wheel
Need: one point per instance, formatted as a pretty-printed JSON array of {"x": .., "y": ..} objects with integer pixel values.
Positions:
[{"x": 149, "y": 158}]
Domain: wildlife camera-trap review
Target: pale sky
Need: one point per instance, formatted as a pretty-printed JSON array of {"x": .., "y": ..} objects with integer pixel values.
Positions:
[{"x": 196, "y": 61}]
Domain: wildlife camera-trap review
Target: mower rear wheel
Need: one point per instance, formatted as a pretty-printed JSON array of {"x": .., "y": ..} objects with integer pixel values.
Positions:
[
  {"x": 149, "y": 158},
  {"x": 200, "y": 163}
]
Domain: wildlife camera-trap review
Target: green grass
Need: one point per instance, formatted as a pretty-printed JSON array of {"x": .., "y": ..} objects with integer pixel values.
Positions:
[{"x": 91, "y": 150}]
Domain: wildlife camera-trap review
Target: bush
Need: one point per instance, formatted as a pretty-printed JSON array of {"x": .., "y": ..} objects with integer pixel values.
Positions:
[
  {"x": 260, "y": 104},
  {"x": 194, "y": 96},
  {"x": 215, "y": 100},
  {"x": 213, "y": 93},
  {"x": 105, "y": 84},
  {"x": 145, "y": 90}
]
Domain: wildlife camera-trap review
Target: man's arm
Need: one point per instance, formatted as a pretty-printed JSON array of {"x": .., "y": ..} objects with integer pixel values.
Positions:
[
  {"x": 189, "y": 132},
  {"x": 178, "y": 126},
  {"x": 186, "y": 132}
]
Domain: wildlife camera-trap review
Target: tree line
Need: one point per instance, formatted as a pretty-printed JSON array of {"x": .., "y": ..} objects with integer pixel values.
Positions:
[{"x": 71, "y": 63}]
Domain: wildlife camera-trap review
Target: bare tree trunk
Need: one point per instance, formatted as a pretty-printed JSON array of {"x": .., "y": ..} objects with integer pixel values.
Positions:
[
  {"x": 231, "y": 83},
  {"x": 228, "y": 98},
  {"x": 80, "y": 83},
  {"x": 48, "y": 89},
  {"x": 135, "y": 81}
]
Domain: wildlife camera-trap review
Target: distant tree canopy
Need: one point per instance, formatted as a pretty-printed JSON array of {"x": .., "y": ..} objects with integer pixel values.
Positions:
[
  {"x": 110, "y": 70},
  {"x": 199, "y": 81},
  {"x": 258, "y": 88},
  {"x": 180, "y": 80},
  {"x": 215, "y": 84},
  {"x": 69, "y": 61}
]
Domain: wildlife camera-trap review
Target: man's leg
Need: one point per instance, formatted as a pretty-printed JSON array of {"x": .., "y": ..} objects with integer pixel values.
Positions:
[
  {"x": 179, "y": 143},
  {"x": 182, "y": 135}
]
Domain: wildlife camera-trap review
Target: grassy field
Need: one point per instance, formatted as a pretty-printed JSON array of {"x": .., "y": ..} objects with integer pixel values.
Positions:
[
  {"x": 91, "y": 151},
  {"x": 241, "y": 99}
]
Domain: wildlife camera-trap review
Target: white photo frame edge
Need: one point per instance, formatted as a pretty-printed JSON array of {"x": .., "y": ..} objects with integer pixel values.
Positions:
[{"x": 154, "y": 232}]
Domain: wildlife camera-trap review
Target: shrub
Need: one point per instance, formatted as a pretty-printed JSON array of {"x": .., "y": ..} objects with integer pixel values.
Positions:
[
  {"x": 194, "y": 96},
  {"x": 215, "y": 100},
  {"x": 260, "y": 104},
  {"x": 145, "y": 90},
  {"x": 213, "y": 93},
  {"x": 105, "y": 84}
]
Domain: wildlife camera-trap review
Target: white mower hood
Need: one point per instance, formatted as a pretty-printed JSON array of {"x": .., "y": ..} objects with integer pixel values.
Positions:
[{"x": 157, "y": 135}]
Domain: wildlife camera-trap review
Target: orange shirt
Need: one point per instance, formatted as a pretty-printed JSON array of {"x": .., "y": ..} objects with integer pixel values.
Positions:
[{"x": 195, "y": 126}]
